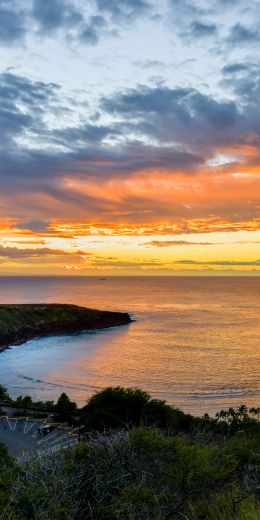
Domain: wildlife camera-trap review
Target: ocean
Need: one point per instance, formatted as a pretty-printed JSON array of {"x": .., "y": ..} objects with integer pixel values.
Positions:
[{"x": 195, "y": 342}]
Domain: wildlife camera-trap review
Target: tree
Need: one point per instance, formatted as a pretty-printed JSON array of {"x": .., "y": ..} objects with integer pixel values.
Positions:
[
  {"x": 255, "y": 411},
  {"x": 117, "y": 407},
  {"x": 4, "y": 394},
  {"x": 64, "y": 405},
  {"x": 24, "y": 401}
]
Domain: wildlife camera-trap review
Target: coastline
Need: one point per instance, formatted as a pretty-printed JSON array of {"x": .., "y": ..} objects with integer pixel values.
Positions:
[{"x": 20, "y": 323}]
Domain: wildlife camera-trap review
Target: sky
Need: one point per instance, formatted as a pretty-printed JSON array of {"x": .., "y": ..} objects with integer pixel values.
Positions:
[{"x": 129, "y": 137}]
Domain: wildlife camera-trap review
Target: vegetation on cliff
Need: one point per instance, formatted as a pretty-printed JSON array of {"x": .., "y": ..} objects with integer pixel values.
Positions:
[{"x": 19, "y": 323}]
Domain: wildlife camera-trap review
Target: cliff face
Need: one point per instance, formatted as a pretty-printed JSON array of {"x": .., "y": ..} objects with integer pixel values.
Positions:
[{"x": 19, "y": 323}]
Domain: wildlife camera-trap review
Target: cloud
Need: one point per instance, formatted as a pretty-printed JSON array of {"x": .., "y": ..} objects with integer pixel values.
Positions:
[
  {"x": 23, "y": 104},
  {"x": 126, "y": 10},
  {"x": 36, "y": 225},
  {"x": 241, "y": 35},
  {"x": 243, "y": 79},
  {"x": 33, "y": 241},
  {"x": 170, "y": 243},
  {"x": 234, "y": 68},
  {"x": 183, "y": 10},
  {"x": 89, "y": 22},
  {"x": 149, "y": 64},
  {"x": 91, "y": 31},
  {"x": 153, "y": 159},
  {"x": 84, "y": 23},
  {"x": 176, "y": 115},
  {"x": 226, "y": 24},
  {"x": 195, "y": 21},
  {"x": 230, "y": 263},
  {"x": 55, "y": 14},
  {"x": 199, "y": 29},
  {"x": 12, "y": 24},
  {"x": 15, "y": 253}
]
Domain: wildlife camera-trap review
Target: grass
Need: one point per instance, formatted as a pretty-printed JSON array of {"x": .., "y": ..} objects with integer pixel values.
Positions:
[
  {"x": 19, "y": 322},
  {"x": 15, "y": 317}
]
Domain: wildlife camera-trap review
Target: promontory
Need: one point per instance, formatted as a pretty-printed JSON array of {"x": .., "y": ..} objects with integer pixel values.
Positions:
[{"x": 22, "y": 322}]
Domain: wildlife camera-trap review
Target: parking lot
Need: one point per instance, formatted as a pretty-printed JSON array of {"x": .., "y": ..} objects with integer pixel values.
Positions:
[{"x": 23, "y": 437}]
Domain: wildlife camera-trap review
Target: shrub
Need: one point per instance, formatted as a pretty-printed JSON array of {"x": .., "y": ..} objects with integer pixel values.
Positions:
[{"x": 117, "y": 407}]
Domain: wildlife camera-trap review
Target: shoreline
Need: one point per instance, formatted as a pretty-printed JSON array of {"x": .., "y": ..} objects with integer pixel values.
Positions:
[{"x": 20, "y": 323}]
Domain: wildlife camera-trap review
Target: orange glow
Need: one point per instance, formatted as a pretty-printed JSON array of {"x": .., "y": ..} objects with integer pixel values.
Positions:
[{"x": 220, "y": 199}]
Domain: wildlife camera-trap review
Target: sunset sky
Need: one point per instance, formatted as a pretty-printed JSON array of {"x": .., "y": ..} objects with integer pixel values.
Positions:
[{"x": 130, "y": 137}]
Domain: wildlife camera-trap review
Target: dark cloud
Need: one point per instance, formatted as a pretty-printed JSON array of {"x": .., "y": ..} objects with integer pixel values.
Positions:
[
  {"x": 160, "y": 132},
  {"x": 78, "y": 26},
  {"x": 87, "y": 23},
  {"x": 91, "y": 30},
  {"x": 244, "y": 80},
  {"x": 36, "y": 225},
  {"x": 241, "y": 35},
  {"x": 178, "y": 115},
  {"x": 23, "y": 105},
  {"x": 230, "y": 23},
  {"x": 84, "y": 23},
  {"x": 199, "y": 29},
  {"x": 234, "y": 68},
  {"x": 190, "y": 123},
  {"x": 86, "y": 133},
  {"x": 15, "y": 253},
  {"x": 34, "y": 94},
  {"x": 55, "y": 14},
  {"x": 125, "y": 9},
  {"x": 192, "y": 20},
  {"x": 12, "y": 24}
]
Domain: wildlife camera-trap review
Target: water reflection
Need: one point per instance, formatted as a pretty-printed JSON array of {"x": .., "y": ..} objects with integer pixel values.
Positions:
[{"x": 197, "y": 352}]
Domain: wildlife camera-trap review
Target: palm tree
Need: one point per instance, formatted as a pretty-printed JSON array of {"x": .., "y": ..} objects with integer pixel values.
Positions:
[
  {"x": 222, "y": 414},
  {"x": 255, "y": 411},
  {"x": 243, "y": 411}
]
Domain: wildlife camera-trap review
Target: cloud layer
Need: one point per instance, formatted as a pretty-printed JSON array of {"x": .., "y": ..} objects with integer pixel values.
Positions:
[
  {"x": 159, "y": 158},
  {"x": 76, "y": 22},
  {"x": 149, "y": 125}
]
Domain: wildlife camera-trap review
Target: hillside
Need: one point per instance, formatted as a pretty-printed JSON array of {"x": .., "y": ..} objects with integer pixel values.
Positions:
[{"x": 19, "y": 322}]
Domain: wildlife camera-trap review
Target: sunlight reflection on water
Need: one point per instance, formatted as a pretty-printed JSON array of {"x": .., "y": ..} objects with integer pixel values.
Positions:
[{"x": 195, "y": 342}]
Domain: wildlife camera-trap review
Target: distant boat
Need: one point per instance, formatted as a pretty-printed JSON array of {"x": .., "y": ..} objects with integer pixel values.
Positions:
[{"x": 102, "y": 279}]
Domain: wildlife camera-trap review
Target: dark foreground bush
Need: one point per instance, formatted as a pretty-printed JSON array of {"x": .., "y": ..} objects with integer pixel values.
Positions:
[
  {"x": 139, "y": 474},
  {"x": 141, "y": 460}
]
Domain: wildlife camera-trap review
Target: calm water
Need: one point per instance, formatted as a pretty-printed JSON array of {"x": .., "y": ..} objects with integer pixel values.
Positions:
[{"x": 195, "y": 341}]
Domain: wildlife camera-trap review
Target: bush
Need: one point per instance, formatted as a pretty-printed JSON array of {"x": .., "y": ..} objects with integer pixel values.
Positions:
[
  {"x": 117, "y": 407},
  {"x": 181, "y": 467},
  {"x": 138, "y": 474}
]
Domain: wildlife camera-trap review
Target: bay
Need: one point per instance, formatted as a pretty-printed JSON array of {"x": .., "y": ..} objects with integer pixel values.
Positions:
[{"x": 195, "y": 341}]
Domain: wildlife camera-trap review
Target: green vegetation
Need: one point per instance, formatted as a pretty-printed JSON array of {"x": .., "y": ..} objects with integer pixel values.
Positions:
[
  {"x": 119, "y": 408},
  {"x": 141, "y": 459},
  {"x": 65, "y": 406},
  {"x": 19, "y": 323},
  {"x": 3, "y": 394}
]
